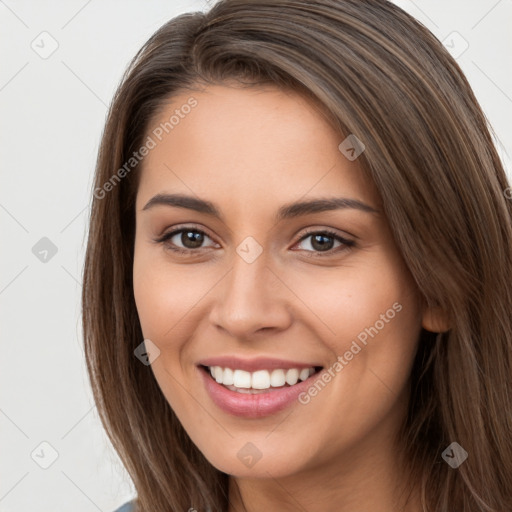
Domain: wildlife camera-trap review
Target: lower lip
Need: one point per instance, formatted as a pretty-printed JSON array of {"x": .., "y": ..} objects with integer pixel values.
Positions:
[{"x": 253, "y": 405}]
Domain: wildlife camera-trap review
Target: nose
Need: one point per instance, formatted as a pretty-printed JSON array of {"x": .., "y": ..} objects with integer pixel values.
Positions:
[{"x": 250, "y": 299}]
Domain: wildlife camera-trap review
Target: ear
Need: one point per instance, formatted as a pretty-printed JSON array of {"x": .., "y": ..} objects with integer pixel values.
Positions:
[{"x": 435, "y": 320}]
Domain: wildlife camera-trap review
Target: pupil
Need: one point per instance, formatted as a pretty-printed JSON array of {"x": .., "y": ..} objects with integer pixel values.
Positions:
[
  {"x": 319, "y": 242},
  {"x": 191, "y": 239}
]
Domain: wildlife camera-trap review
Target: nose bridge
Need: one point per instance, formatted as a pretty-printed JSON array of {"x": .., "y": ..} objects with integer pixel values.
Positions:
[
  {"x": 248, "y": 300},
  {"x": 249, "y": 279}
]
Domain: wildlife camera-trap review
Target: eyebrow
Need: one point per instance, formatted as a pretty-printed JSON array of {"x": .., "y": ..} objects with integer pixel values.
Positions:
[{"x": 286, "y": 211}]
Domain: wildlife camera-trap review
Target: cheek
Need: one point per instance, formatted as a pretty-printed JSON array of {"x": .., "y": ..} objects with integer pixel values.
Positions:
[
  {"x": 370, "y": 317},
  {"x": 151, "y": 296},
  {"x": 170, "y": 300},
  {"x": 345, "y": 301},
  {"x": 371, "y": 322},
  {"x": 166, "y": 300}
]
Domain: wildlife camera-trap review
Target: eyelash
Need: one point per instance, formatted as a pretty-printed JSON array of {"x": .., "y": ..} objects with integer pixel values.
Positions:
[{"x": 348, "y": 244}]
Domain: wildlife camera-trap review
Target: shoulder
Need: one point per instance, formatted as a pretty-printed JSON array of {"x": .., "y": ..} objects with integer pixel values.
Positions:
[{"x": 127, "y": 507}]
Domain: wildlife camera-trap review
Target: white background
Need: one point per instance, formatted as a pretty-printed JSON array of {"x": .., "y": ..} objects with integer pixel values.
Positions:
[{"x": 52, "y": 115}]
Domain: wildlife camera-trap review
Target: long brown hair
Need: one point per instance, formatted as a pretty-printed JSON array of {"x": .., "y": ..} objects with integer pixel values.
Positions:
[{"x": 381, "y": 75}]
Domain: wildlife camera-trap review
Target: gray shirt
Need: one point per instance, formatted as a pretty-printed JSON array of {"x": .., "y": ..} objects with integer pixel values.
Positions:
[{"x": 127, "y": 507}]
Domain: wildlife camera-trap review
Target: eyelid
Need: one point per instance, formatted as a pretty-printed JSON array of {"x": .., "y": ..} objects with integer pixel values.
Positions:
[
  {"x": 319, "y": 229},
  {"x": 190, "y": 226}
]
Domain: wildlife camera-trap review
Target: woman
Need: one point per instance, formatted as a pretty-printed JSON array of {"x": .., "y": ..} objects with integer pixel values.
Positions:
[{"x": 297, "y": 281}]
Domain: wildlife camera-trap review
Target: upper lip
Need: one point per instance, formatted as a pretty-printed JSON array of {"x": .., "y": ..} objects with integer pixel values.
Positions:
[{"x": 252, "y": 365}]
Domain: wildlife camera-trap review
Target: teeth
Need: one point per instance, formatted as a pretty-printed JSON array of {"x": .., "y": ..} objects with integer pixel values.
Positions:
[
  {"x": 227, "y": 376},
  {"x": 261, "y": 379},
  {"x": 241, "y": 379},
  {"x": 292, "y": 376},
  {"x": 277, "y": 378},
  {"x": 304, "y": 373}
]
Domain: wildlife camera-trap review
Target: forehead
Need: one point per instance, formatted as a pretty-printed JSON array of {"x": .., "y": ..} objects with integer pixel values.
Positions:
[{"x": 258, "y": 143}]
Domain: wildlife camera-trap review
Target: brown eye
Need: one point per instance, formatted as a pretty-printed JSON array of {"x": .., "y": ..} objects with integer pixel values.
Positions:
[
  {"x": 191, "y": 239},
  {"x": 324, "y": 242},
  {"x": 185, "y": 240}
]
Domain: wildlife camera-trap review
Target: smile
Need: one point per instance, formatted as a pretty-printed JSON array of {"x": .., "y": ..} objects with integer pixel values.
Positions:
[
  {"x": 253, "y": 382},
  {"x": 256, "y": 394}
]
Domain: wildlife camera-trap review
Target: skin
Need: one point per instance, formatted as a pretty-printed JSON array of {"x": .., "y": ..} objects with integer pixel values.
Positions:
[{"x": 249, "y": 151}]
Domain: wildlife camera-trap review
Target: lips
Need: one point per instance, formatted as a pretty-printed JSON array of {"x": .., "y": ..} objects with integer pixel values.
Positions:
[
  {"x": 259, "y": 363},
  {"x": 250, "y": 403},
  {"x": 253, "y": 406}
]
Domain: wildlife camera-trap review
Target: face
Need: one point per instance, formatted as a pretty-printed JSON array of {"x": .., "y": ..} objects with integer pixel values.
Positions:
[{"x": 233, "y": 277}]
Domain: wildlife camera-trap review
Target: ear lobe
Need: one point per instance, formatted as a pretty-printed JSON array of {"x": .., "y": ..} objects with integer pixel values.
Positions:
[{"x": 435, "y": 320}]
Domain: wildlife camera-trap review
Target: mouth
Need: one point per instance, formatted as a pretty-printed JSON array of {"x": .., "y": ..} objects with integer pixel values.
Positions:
[
  {"x": 259, "y": 393},
  {"x": 260, "y": 381}
]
